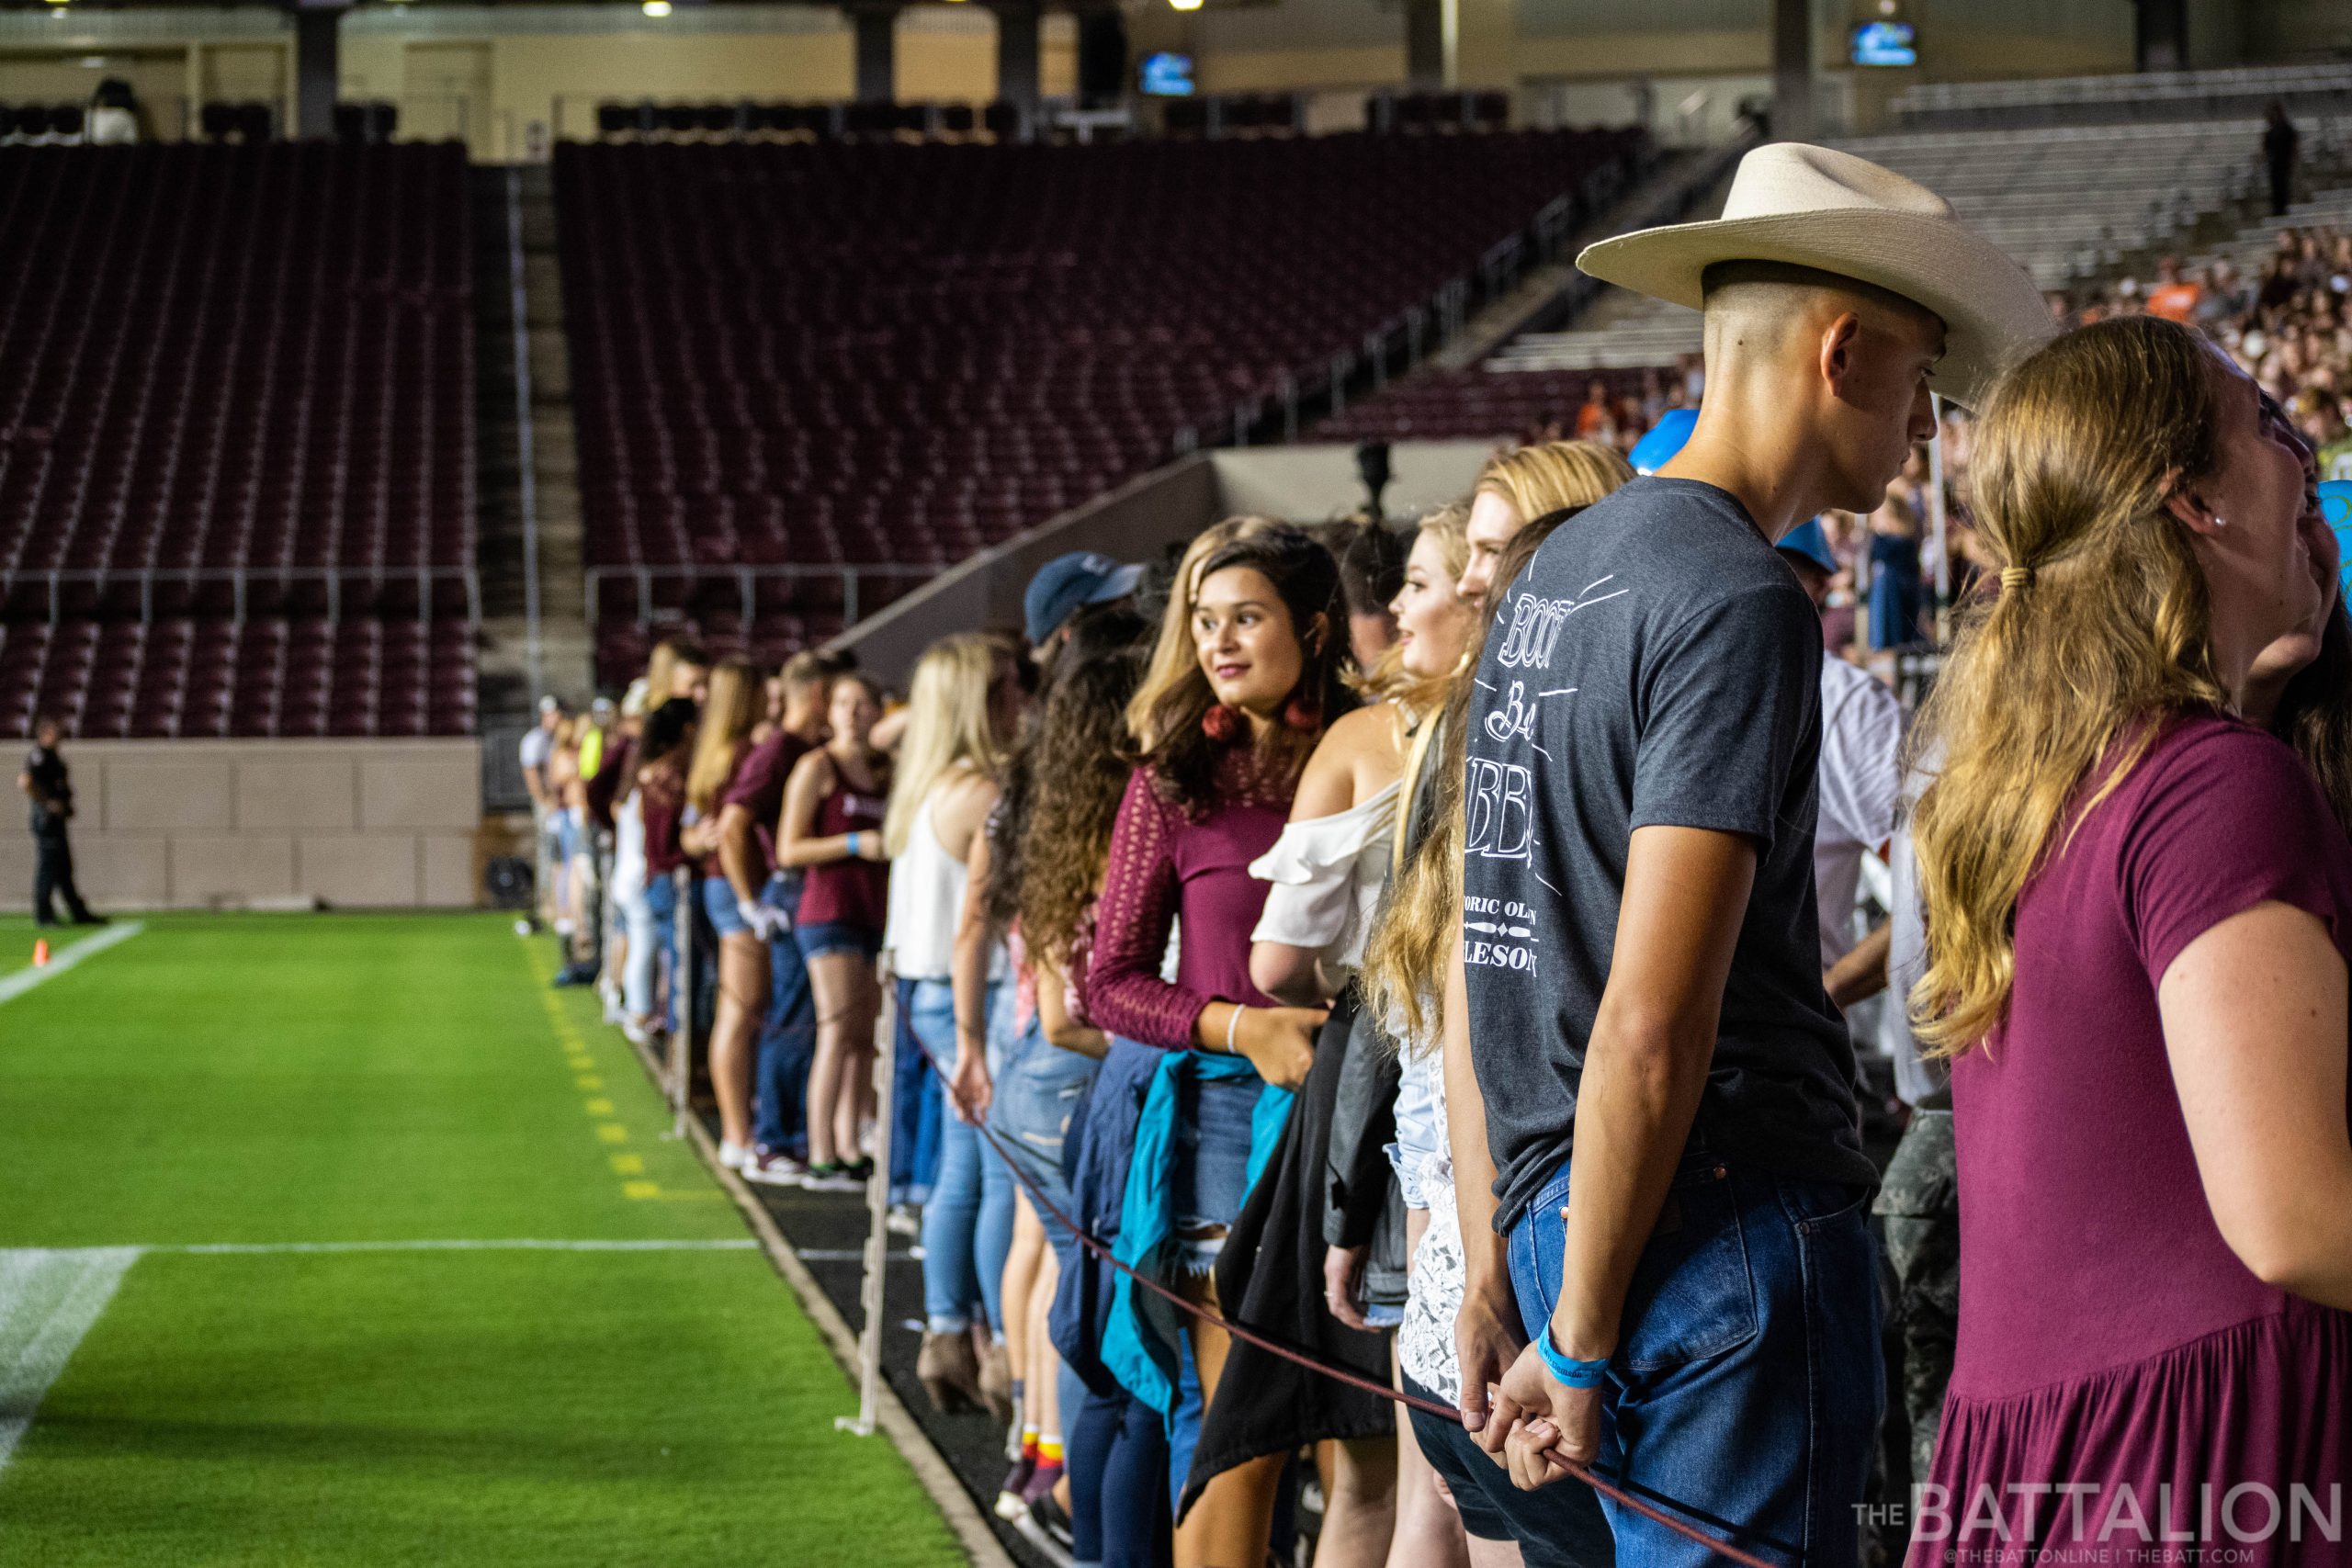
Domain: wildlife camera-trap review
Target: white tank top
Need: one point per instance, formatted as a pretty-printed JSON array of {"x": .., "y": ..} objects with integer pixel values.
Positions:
[{"x": 926, "y": 902}]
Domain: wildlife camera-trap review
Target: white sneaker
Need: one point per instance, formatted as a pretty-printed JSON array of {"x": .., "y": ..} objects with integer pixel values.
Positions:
[
  {"x": 613, "y": 1012},
  {"x": 775, "y": 1170},
  {"x": 734, "y": 1157},
  {"x": 902, "y": 1220},
  {"x": 633, "y": 1032}
]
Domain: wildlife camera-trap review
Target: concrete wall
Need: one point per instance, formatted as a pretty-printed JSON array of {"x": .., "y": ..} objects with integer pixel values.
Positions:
[
  {"x": 1165, "y": 507},
  {"x": 192, "y": 825}
]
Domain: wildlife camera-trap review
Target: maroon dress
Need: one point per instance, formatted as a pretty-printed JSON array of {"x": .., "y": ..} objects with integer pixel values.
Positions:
[{"x": 2110, "y": 1343}]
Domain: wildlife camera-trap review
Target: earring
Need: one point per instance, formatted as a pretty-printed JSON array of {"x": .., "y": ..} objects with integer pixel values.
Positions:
[
  {"x": 1303, "y": 713},
  {"x": 2220, "y": 521},
  {"x": 1222, "y": 724}
]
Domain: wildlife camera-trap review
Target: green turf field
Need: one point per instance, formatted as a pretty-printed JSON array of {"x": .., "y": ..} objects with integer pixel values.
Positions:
[
  {"x": 17, "y": 934},
  {"x": 234, "y": 1123}
]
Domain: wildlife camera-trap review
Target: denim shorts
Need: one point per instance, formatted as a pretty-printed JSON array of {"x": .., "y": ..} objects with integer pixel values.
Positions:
[
  {"x": 1212, "y": 1171},
  {"x": 1559, "y": 1525},
  {"x": 829, "y": 937},
  {"x": 719, "y": 903},
  {"x": 1039, "y": 1092}
]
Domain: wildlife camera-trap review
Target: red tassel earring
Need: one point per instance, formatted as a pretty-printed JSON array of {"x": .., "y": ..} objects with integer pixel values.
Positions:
[
  {"x": 1222, "y": 724},
  {"x": 1303, "y": 713}
]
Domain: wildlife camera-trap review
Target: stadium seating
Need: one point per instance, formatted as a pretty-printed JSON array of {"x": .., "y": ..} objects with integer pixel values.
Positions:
[
  {"x": 1472, "y": 405},
  {"x": 236, "y": 421},
  {"x": 874, "y": 354},
  {"x": 2066, "y": 201}
]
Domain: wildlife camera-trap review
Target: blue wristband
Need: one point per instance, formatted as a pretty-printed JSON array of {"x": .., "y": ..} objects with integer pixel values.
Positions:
[
  {"x": 1566, "y": 1368},
  {"x": 853, "y": 846}
]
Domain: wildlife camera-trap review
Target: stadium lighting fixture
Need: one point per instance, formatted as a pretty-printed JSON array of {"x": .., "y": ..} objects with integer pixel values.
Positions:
[
  {"x": 1185, "y": 4},
  {"x": 656, "y": 8}
]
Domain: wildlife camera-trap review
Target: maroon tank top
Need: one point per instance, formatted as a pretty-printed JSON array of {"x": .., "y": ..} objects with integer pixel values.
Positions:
[{"x": 847, "y": 892}]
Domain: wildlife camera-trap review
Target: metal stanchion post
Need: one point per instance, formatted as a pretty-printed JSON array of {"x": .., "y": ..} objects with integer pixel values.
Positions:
[
  {"x": 1937, "y": 531},
  {"x": 877, "y": 1206},
  {"x": 682, "y": 991}
]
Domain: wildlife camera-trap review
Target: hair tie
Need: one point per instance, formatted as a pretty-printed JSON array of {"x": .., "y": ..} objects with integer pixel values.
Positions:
[{"x": 2015, "y": 576}]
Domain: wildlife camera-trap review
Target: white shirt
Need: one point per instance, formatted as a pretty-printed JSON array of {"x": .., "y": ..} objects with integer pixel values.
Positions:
[
  {"x": 1918, "y": 1080},
  {"x": 1861, "y": 735},
  {"x": 926, "y": 900},
  {"x": 1327, "y": 872}
]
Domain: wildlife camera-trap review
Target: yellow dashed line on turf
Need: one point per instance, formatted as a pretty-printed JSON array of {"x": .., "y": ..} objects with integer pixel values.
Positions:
[{"x": 586, "y": 1078}]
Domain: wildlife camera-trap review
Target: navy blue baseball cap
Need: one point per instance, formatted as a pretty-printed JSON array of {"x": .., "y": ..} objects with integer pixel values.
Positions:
[{"x": 1066, "y": 585}]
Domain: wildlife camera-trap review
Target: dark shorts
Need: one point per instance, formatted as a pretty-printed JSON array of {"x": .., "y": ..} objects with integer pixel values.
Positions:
[
  {"x": 1559, "y": 1525},
  {"x": 838, "y": 936}
]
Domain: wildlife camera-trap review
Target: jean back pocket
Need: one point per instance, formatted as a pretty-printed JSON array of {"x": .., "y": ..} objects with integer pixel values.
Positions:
[{"x": 1692, "y": 1295}]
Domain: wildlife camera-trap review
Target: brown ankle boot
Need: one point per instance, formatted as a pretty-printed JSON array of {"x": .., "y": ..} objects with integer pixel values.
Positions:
[
  {"x": 996, "y": 1380},
  {"x": 949, "y": 1372}
]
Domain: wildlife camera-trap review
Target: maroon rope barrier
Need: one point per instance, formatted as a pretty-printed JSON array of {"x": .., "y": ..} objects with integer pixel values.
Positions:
[{"x": 1101, "y": 1249}]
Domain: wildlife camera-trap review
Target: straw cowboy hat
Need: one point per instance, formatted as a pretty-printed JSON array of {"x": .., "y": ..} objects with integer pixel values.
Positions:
[{"x": 1818, "y": 207}]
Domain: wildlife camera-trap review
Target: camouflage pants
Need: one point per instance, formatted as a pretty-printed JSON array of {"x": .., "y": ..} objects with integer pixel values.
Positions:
[{"x": 1918, "y": 1201}]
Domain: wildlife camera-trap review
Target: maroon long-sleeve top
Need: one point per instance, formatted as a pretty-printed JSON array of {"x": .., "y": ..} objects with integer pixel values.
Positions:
[{"x": 1165, "y": 866}]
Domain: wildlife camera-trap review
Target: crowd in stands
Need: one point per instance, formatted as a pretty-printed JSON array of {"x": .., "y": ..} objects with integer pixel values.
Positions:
[{"x": 2288, "y": 322}]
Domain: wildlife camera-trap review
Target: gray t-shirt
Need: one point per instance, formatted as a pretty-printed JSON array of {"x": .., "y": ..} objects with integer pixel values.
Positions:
[{"x": 1656, "y": 665}]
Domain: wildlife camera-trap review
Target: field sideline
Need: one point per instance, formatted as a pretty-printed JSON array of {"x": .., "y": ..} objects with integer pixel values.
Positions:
[{"x": 264, "y": 1178}]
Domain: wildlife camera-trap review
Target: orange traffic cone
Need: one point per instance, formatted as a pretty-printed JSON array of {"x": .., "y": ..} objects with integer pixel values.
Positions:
[{"x": 40, "y": 952}]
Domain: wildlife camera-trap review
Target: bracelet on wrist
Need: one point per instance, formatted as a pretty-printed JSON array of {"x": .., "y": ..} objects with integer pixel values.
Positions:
[
  {"x": 1568, "y": 1368},
  {"x": 1232, "y": 1024},
  {"x": 853, "y": 845}
]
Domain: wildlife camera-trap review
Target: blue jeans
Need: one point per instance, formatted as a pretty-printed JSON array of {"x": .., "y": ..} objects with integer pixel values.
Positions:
[
  {"x": 787, "y": 1036},
  {"x": 651, "y": 917},
  {"x": 968, "y": 1224},
  {"x": 1038, "y": 1091},
  {"x": 917, "y": 1106},
  {"x": 1748, "y": 1380},
  {"x": 1119, "y": 1483},
  {"x": 1211, "y": 1175}
]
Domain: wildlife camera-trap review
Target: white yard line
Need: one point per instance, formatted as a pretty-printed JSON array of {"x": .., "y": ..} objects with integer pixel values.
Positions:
[
  {"x": 48, "y": 1301},
  {"x": 50, "y": 1296},
  {"x": 743, "y": 1243},
  {"x": 24, "y": 979}
]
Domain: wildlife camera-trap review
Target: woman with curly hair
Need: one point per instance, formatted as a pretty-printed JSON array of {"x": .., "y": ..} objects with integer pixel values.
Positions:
[{"x": 1051, "y": 830}]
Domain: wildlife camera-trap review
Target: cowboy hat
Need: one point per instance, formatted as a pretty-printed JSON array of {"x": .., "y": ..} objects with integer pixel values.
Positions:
[{"x": 1819, "y": 208}]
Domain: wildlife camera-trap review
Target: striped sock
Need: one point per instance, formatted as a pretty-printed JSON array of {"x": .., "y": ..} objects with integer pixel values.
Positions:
[
  {"x": 1050, "y": 1447},
  {"x": 1028, "y": 1441}
]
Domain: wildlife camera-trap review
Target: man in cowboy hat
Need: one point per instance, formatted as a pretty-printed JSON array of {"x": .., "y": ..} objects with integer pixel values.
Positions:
[{"x": 1641, "y": 972}]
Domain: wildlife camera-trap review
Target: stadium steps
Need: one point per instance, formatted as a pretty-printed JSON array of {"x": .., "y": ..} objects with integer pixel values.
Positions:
[
  {"x": 507, "y": 699},
  {"x": 2329, "y": 207}
]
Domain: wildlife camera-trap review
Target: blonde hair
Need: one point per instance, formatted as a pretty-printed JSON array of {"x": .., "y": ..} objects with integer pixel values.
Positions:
[
  {"x": 1405, "y": 959},
  {"x": 1387, "y": 681},
  {"x": 2101, "y": 632},
  {"x": 1551, "y": 475},
  {"x": 736, "y": 701},
  {"x": 1173, "y": 657},
  {"x": 950, "y": 725}
]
